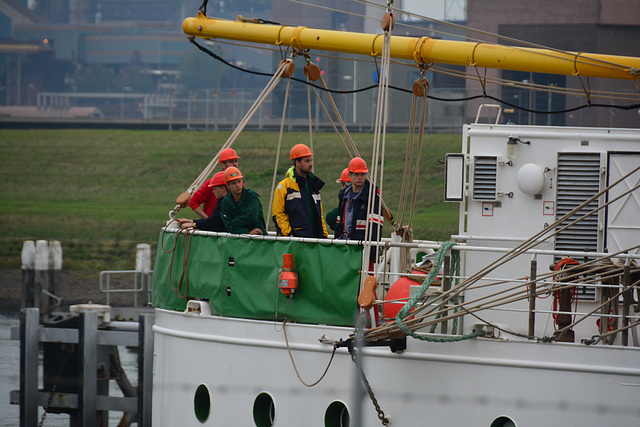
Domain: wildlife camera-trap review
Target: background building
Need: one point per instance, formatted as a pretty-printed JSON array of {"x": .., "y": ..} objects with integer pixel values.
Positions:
[
  {"x": 596, "y": 26},
  {"x": 131, "y": 60}
]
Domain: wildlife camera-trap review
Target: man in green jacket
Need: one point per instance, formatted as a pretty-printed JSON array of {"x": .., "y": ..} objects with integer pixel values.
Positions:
[{"x": 241, "y": 208}]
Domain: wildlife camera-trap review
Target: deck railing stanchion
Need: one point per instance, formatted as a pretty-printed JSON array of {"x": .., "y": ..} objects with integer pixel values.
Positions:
[
  {"x": 532, "y": 296},
  {"x": 626, "y": 300},
  {"x": 445, "y": 288}
]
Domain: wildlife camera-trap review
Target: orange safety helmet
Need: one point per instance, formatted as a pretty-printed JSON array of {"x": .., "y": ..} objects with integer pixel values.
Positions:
[
  {"x": 232, "y": 173},
  {"x": 299, "y": 150},
  {"x": 344, "y": 176},
  {"x": 218, "y": 179},
  {"x": 228, "y": 154},
  {"x": 358, "y": 165}
]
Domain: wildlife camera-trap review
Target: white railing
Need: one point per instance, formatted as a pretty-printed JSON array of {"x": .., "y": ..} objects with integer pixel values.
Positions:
[{"x": 141, "y": 277}]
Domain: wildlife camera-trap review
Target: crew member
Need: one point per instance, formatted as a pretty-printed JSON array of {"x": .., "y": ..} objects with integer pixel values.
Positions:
[
  {"x": 204, "y": 196},
  {"x": 241, "y": 209},
  {"x": 297, "y": 207},
  {"x": 344, "y": 180},
  {"x": 352, "y": 209},
  {"x": 213, "y": 222}
]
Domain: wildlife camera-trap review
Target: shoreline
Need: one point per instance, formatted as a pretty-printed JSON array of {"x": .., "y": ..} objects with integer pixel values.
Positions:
[{"x": 77, "y": 287}]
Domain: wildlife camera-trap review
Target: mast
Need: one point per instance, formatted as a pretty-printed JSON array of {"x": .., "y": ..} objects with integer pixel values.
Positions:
[{"x": 420, "y": 49}]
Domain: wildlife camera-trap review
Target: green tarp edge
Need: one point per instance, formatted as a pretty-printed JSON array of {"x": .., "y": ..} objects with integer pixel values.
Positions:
[{"x": 239, "y": 278}]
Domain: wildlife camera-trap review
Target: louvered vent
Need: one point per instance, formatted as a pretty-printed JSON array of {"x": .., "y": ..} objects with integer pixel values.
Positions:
[
  {"x": 485, "y": 174},
  {"x": 578, "y": 180}
]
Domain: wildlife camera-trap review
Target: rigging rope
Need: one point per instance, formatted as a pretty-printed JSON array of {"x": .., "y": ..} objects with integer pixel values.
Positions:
[
  {"x": 379, "y": 142},
  {"x": 309, "y": 109},
  {"x": 277, "y": 162},
  {"x": 416, "y": 168}
]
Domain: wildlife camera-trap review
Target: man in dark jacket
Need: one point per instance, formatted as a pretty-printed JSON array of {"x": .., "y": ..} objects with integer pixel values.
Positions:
[
  {"x": 352, "y": 208},
  {"x": 297, "y": 206}
]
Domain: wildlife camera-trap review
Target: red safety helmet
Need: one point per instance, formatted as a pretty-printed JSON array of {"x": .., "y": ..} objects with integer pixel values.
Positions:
[
  {"x": 299, "y": 150},
  {"x": 228, "y": 154},
  {"x": 232, "y": 173},
  {"x": 218, "y": 179},
  {"x": 357, "y": 165},
  {"x": 344, "y": 176}
]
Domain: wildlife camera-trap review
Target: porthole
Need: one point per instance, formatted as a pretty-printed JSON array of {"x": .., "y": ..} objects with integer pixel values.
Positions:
[
  {"x": 503, "y": 422},
  {"x": 337, "y": 415},
  {"x": 264, "y": 410},
  {"x": 202, "y": 403}
]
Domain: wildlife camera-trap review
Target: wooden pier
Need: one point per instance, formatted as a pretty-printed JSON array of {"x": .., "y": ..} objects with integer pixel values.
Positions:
[
  {"x": 78, "y": 364},
  {"x": 79, "y": 348}
]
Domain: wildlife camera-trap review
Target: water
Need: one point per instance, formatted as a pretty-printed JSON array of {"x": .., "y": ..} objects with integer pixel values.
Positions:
[{"x": 10, "y": 378}]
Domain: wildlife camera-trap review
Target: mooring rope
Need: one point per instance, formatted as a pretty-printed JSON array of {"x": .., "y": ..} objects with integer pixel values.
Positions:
[{"x": 293, "y": 362}]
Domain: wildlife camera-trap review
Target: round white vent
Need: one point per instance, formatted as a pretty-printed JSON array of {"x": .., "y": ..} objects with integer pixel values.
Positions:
[{"x": 530, "y": 178}]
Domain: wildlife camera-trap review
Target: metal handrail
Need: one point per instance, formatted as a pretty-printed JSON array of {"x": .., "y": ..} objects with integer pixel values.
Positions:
[{"x": 145, "y": 279}]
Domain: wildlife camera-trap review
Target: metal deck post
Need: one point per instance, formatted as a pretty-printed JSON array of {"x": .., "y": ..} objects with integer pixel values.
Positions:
[
  {"x": 28, "y": 273},
  {"x": 88, "y": 347},
  {"x": 29, "y": 340},
  {"x": 145, "y": 369}
]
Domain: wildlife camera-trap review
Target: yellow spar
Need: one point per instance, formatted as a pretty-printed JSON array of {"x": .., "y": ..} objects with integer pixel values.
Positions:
[{"x": 421, "y": 49}]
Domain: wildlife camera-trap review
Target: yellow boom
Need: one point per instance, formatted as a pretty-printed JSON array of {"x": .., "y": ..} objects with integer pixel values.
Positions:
[{"x": 421, "y": 49}]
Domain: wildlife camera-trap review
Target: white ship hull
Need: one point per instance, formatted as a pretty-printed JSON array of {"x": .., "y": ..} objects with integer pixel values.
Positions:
[{"x": 480, "y": 382}]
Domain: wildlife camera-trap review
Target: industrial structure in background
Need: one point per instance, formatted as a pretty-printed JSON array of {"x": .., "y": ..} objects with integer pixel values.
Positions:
[{"x": 121, "y": 64}]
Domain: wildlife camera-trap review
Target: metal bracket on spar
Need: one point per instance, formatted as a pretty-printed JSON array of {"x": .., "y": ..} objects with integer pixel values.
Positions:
[
  {"x": 295, "y": 38},
  {"x": 417, "y": 52}
]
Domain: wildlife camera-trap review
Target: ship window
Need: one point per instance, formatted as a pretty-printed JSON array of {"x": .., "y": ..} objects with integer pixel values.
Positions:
[
  {"x": 503, "y": 422},
  {"x": 337, "y": 415},
  {"x": 202, "y": 403},
  {"x": 264, "y": 410}
]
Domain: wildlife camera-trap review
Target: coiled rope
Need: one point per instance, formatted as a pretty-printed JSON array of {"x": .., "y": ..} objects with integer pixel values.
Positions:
[
  {"x": 413, "y": 301},
  {"x": 186, "y": 250}
]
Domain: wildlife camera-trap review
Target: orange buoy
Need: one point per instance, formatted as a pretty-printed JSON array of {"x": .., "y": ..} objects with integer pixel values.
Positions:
[{"x": 400, "y": 290}]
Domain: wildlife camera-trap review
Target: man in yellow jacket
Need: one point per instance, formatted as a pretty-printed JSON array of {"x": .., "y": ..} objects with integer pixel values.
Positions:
[{"x": 297, "y": 206}]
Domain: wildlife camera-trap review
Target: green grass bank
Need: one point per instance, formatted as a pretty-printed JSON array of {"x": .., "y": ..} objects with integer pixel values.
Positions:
[{"x": 100, "y": 192}]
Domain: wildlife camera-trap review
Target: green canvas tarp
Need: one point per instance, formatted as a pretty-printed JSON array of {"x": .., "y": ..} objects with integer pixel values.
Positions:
[{"x": 239, "y": 278}]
